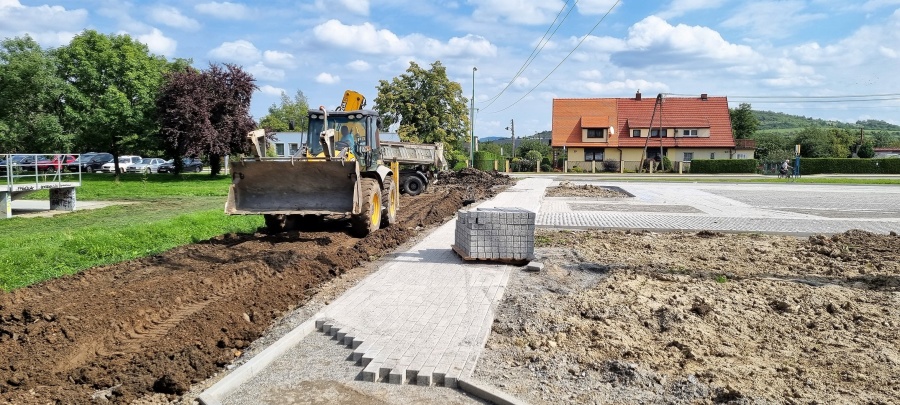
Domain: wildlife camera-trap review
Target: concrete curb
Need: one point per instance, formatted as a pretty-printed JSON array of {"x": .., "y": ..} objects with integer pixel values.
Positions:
[
  {"x": 214, "y": 395},
  {"x": 488, "y": 393}
]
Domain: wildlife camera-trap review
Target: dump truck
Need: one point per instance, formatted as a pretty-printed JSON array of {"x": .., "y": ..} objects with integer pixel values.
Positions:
[{"x": 418, "y": 162}]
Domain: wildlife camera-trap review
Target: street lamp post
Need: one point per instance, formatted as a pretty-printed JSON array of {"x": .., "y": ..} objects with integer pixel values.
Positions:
[{"x": 472, "y": 123}]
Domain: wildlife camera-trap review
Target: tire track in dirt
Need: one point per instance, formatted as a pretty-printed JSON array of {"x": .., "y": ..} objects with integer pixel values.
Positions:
[{"x": 162, "y": 323}]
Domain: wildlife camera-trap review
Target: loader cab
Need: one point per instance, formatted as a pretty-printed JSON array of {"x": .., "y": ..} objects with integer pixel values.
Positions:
[{"x": 355, "y": 130}]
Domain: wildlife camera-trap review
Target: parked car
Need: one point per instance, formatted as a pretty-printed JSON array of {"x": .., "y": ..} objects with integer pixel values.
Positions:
[
  {"x": 30, "y": 163},
  {"x": 14, "y": 163},
  {"x": 189, "y": 165},
  {"x": 147, "y": 165},
  {"x": 124, "y": 163},
  {"x": 90, "y": 162},
  {"x": 56, "y": 163}
]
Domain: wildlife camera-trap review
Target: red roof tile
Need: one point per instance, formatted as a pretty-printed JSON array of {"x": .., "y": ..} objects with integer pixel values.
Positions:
[
  {"x": 595, "y": 122},
  {"x": 567, "y": 115},
  {"x": 677, "y": 112}
]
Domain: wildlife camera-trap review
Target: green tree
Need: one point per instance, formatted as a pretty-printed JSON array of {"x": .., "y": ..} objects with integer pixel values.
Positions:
[
  {"x": 280, "y": 116},
  {"x": 772, "y": 146},
  {"x": 743, "y": 122},
  {"x": 491, "y": 147},
  {"x": 31, "y": 99},
  {"x": 822, "y": 143},
  {"x": 427, "y": 105},
  {"x": 115, "y": 81},
  {"x": 528, "y": 145}
]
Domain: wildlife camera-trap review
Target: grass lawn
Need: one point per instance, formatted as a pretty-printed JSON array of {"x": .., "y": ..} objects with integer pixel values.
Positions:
[{"x": 163, "y": 212}]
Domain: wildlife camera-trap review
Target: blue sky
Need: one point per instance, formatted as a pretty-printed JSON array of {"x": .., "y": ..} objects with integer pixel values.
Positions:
[{"x": 796, "y": 56}]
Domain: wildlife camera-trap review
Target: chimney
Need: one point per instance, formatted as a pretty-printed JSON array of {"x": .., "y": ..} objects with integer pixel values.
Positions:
[
  {"x": 704, "y": 96},
  {"x": 637, "y": 96}
]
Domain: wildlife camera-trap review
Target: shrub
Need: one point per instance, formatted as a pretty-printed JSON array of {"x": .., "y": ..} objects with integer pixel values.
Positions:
[
  {"x": 611, "y": 166},
  {"x": 546, "y": 167},
  {"x": 724, "y": 166}
]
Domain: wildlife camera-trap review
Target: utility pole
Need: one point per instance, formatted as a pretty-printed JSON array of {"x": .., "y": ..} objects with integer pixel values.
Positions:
[
  {"x": 472, "y": 123},
  {"x": 512, "y": 127}
]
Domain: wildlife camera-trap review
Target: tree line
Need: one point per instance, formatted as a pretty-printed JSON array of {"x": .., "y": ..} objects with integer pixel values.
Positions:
[
  {"x": 108, "y": 93},
  {"x": 816, "y": 141}
]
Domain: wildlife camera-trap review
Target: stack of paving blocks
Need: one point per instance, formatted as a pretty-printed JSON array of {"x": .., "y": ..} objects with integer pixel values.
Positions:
[{"x": 495, "y": 234}]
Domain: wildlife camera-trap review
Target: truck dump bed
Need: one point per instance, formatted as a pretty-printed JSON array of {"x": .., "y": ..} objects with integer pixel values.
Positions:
[{"x": 414, "y": 153}]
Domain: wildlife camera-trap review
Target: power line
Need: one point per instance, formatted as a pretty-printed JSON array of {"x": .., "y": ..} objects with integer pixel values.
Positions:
[
  {"x": 564, "y": 59},
  {"x": 537, "y": 49},
  {"x": 815, "y": 101}
]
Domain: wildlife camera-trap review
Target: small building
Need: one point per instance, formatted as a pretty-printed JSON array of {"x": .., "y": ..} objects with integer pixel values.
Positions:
[
  {"x": 882, "y": 153},
  {"x": 604, "y": 133},
  {"x": 287, "y": 143}
]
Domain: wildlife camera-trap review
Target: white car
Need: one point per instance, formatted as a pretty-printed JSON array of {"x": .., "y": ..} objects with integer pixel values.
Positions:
[
  {"x": 147, "y": 165},
  {"x": 124, "y": 163}
]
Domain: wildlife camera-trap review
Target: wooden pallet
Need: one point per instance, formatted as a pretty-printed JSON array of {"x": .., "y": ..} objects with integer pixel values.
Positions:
[{"x": 462, "y": 255}]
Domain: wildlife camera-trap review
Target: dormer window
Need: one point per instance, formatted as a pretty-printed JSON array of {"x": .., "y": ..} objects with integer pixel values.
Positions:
[
  {"x": 689, "y": 132},
  {"x": 596, "y": 133}
]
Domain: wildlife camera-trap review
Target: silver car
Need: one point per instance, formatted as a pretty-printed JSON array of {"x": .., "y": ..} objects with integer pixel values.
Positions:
[{"x": 147, "y": 165}]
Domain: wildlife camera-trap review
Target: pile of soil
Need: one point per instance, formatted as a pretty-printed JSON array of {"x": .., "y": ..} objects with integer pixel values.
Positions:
[
  {"x": 627, "y": 317},
  {"x": 568, "y": 189},
  {"x": 159, "y": 324}
]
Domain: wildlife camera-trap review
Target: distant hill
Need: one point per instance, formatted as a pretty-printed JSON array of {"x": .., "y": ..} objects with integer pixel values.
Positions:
[
  {"x": 502, "y": 140},
  {"x": 781, "y": 122}
]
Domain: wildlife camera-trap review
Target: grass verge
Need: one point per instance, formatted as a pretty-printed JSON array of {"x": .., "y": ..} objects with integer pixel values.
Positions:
[{"x": 163, "y": 212}]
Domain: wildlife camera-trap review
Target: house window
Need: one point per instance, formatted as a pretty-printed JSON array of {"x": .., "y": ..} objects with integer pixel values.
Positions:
[
  {"x": 593, "y": 154},
  {"x": 293, "y": 148},
  {"x": 654, "y": 133},
  {"x": 689, "y": 132},
  {"x": 279, "y": 149},
  {"x": 741, "y": 156},
  {"x": 596, "y": 133},
  {"x": 688, "y": 156},
  {"x": 635, "y": 133},
  {"x": 712, "y": 155}
]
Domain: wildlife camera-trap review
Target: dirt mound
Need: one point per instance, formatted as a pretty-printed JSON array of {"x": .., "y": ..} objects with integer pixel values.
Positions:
[
  {"x": 701, "y": 318},
  {"x": 162, "y": 323},
  {"x": 474, "y": 177},
  {"x": 567, "y": 189}
]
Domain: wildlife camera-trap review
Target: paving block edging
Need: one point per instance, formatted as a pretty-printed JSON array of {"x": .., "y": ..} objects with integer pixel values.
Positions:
[
  {"x": 214, "y": 395},
  {"x": 488, "y": 393}
]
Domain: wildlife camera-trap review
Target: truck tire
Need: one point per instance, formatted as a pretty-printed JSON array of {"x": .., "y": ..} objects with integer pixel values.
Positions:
[
  {"x": 369, "y": 218},
  {"x": 391, "y": 201},
  {"x": 413, "y": 185}
]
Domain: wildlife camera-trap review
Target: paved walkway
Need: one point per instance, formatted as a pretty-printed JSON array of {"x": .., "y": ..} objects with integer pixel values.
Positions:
[{"x": 424, "y": 317}]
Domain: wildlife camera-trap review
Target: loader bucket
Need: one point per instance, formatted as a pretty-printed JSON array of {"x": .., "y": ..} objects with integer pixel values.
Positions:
[{"x": 291, "y": 187}]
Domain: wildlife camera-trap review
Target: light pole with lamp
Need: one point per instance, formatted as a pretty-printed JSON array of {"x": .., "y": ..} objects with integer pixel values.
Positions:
[{"x": 472, "y": 123}]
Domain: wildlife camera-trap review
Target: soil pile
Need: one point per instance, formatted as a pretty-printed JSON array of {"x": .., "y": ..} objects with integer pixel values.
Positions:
[
  {"x": 159, "y": 324},
  {"x": 567, "y": 189},
  {"x": 628, "y": 317}
]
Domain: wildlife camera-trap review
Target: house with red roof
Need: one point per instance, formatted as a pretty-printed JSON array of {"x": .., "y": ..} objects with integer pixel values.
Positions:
[{"x": 594, "y": 132}]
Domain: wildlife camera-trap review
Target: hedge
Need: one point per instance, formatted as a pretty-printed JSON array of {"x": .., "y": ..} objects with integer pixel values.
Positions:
[
  {"x": 848, "y": 166},
  {"x": 724, "y": 166}
]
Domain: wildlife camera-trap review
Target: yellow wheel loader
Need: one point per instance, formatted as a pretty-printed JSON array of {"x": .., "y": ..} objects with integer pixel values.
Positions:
[{"x": 338, "y": 170}]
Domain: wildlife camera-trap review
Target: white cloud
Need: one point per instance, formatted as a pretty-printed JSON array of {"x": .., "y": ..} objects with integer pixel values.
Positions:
[
  {"x": 172, "y": 17},
  {"x": 224, "y": 10},
  {"x": 590, "y": 74},
  {"x": 653, "y": 41},
  {"x": 526, "y": 12},
  {"x": 618, "y": 86},
  {"x": 271, "y": 90},
  {"x": 873, "y": 5},
  {"x": 868, "y": 43},
  {"x": 327, "y": 78},
  {"x": 240, "y": 51},
  {"x": 49, "y": 25},
  {"x": 359, "y": 65},
  {"x": 366, "y": 38},
  {"x": 678, "y": 8},
  {"x": 596, "y": 7},
  {"x": 158, "y": 43},
  {"x": 771, "y": 18},
  {"x": 358, "y": 7},
  {"x": 262, "y": 72},
  {"x": 282, "y": 59}
]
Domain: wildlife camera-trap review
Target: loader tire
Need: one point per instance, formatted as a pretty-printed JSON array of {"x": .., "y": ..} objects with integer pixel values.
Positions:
[
  {"x": 390, "y": 199},
  {"x": 275, "y": 223},
  {"x": 369, "y": 218}
]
